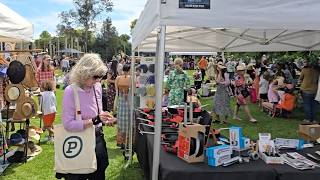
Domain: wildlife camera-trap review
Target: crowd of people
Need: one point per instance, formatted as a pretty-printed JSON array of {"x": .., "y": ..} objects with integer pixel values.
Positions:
[
  {"x": 275, "y": 87},
  {"x": 104, "y": 90}
]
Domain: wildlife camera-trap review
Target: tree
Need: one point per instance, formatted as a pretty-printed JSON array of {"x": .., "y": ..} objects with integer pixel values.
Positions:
[
  {"x": 87, "y": 11},
  {"x": 133, "y": 24},
  {"x": 125, "y": 45},
  {"x": 43, "y": 41},
  {"x": 107, "y": 42}
]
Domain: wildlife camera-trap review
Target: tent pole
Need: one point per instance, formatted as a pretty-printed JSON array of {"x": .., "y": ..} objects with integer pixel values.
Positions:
[
  {"x": 159, "y": 86},
  {"x": 132, "y": 117}
]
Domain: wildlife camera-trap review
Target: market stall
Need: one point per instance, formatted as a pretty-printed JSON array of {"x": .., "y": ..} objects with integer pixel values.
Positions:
[
  {"x": 20, "y": 71},
  {"x": 222, "y": 26},
  {"x": 13, "y": 27}
]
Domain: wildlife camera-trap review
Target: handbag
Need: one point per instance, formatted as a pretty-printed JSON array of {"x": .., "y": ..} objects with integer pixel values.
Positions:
[
  {"x": 75, "y": 151},
  {"x": 245, "y": 92}
]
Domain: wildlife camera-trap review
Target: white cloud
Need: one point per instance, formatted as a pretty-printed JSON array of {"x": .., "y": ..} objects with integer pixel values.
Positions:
[
  {"x": 131, "y": 8},
  {"x": 45, "y": 23},
  {"x": 135, "y": 7}
]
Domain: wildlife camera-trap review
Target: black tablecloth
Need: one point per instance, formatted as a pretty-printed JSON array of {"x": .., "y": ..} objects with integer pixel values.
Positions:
[{"x": 173, "y": 168}]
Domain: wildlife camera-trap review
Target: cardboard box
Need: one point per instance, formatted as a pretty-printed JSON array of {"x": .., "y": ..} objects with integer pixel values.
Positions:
[
  {"x": 312, "y": 131},
  {"x": 191, "y": 142},
  {"x": 271, "y": 159},
  {"x": 218, "y": 151}
]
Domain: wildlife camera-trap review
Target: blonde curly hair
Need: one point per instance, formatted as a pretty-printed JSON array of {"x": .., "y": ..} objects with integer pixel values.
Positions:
[{"x": 88, "y": 66}]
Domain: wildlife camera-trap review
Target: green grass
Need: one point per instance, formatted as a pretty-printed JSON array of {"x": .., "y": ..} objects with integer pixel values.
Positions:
[
  {"x": 278, "y": 127},
  {"x": 42, "y": 166}
]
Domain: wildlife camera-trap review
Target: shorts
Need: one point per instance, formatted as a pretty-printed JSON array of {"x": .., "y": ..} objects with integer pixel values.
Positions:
[
  {"x": 264, "y": 96},
  {"x": 48, "y": 119}
]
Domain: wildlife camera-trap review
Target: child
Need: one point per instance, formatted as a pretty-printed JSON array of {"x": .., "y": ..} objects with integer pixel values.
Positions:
[
  {"x": 48, "y": 105},
  {"x": 165, "y": 98},
  {"x": 192, "y": 97},
  {"x": 263, "y": 88},
  {"x": 197, "y": 79},
  {"x": 287, "y": 102}
]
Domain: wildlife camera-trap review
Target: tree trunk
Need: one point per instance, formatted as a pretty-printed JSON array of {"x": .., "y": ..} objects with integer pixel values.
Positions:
[{"x": 86, "y": 40}]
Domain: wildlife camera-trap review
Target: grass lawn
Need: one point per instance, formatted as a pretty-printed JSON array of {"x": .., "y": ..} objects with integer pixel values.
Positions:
[{"x": 41, "y": 167}]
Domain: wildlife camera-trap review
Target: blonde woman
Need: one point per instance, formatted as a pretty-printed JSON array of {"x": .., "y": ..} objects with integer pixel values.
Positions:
[{"x": 87, "y": 74}]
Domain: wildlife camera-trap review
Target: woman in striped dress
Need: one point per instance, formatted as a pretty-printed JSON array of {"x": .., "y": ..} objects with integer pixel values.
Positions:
[{"x": 122, "y": 84}]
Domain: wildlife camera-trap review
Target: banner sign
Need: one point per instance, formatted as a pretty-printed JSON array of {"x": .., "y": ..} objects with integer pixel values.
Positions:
[{"x": 194, "y": 4}]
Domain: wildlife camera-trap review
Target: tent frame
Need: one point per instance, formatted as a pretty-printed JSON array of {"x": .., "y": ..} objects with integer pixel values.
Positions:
[{"x": 152, "y": 32}]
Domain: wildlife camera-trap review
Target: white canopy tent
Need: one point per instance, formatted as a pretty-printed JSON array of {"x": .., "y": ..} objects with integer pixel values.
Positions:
[
  {"x": 227, "y": 26},
  {"x": 231, "y": 25},
  {"x": 13, "y": 27}
]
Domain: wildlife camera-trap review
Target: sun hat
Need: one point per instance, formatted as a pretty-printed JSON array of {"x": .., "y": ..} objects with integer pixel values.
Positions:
[
  {"x": 37, "y": 129},
  {"x": 26, "y": 108},
  {"x": 151, "y": 79},
  {"x": 16, "y": 138},
  {"x": 30, "y": 80},
  {"x": 150, "y": 103},
  {"x": 16, "y": 72},
  {"x": 22, "y": 132},
  {"x": 144, "y": 68},
  {"x": 13, "y": 92},
  {"x": 33, "y": 134},
  {"x": 241, "y": 67}
]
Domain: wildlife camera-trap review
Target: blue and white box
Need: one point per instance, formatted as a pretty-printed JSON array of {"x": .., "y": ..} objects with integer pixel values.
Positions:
[{"x": 218, "y": 151}]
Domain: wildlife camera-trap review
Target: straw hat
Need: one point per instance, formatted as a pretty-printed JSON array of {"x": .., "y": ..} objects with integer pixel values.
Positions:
[
  {"x": 26, "y": 108},
  {"x": 33, "y": 134},
  {"x": 30, "y": 77},
  {"x": 241, "y": 67},
  {"x": 13, "y": 92},
  {"x": 37, "y": 129}
]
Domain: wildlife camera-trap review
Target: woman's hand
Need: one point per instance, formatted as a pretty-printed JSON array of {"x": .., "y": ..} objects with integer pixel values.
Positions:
[{"x": 107, "y": 119}]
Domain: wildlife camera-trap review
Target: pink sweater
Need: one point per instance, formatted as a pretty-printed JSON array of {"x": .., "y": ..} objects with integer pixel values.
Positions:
[{"x": 88, "y": 107}]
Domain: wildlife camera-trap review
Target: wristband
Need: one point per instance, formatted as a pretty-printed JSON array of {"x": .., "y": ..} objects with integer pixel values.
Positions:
[{"x": 96, "y": 120}]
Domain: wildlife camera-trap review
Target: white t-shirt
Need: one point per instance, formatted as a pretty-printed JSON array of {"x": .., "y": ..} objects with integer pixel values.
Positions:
[
  {"x": 48, "y": 102},
  {"x": 263, "y": 86}
]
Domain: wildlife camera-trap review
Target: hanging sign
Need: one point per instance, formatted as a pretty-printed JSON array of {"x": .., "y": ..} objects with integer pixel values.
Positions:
[{"x": 194, "y": 4}]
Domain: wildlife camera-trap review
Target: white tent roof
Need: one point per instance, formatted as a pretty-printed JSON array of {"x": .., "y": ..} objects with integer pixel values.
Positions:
[
  {"x": 13, "y": 27},
  {"x": 231, "y": 25}
]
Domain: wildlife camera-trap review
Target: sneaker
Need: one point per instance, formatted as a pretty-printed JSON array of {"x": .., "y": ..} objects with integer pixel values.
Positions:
[
  {"x": 237, "y": 118},
  {"x": 253, "y": 120}
]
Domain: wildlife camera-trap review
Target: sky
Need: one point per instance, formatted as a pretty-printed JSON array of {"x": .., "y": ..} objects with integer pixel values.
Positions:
[{"x": 43, "y": 14}]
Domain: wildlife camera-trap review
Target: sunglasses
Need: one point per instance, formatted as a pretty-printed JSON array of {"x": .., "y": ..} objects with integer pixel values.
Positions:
[{"x": 97, "y": 77}]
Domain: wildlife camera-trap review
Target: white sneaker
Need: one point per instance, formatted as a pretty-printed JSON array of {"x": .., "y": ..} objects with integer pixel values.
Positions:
[{"x": 253, "y": 120}]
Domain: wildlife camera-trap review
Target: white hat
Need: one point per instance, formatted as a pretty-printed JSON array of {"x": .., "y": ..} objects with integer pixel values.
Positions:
[
  {"x": 241, "y": 67},
  {"x": 33, "y": 134}
]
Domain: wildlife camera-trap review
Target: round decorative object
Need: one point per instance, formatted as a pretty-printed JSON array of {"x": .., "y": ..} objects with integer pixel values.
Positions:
[
  {"x": 13, "y": 92},
  {"x": 16, "y": 72}
]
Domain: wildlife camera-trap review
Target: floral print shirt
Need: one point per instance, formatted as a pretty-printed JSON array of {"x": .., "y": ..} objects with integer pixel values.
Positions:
[{"x": 177, "y": 83}]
